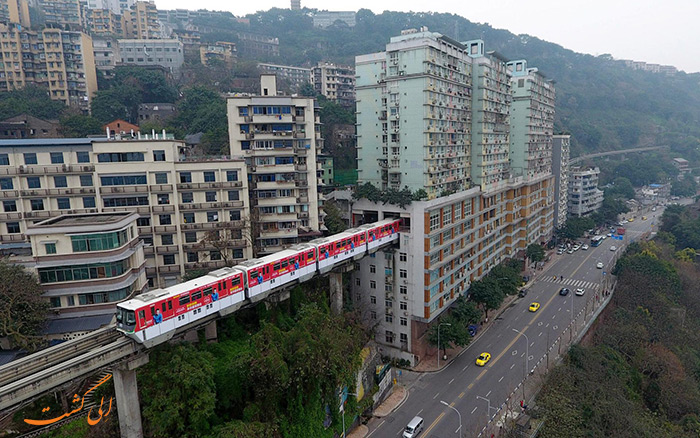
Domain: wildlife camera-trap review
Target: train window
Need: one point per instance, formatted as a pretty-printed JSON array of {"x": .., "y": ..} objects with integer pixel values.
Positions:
[
  {"x": 184, "y": 300},
  {"x": 163, "y": 307},
  {"x": 254, "y": 274},
  {"x": 276, "y": 267},
  {"x": 236, "y": 281},
  {"x": 206, "y": 291},
  {"x": 196, "y": 295},
  {"x": 309, "y": 255},
  {"x": 284, "y": 264},
  {"x": 170, "y": 305},
  {"x": 130, "y": 317},
  {"x": 153, "y": 310},
  {"x": 142, "y": 314}
]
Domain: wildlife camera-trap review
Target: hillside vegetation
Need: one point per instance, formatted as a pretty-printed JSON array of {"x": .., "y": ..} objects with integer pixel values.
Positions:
[{"x": 601, "y": 102}]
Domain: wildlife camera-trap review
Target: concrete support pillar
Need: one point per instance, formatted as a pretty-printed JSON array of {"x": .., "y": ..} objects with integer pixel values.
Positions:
[
  {"x": 191, "y": 336},
  {"x": 210, "y": 332},
  {"x": 336, "y": 281},
  {"x": 127, "y": 393}
]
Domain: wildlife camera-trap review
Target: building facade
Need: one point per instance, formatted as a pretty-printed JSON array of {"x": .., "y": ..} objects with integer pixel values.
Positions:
[
  {"x": 141, "y": 21},
  {"x": 116, "y": 6},
  {"x": 337, "y": 83},
  {"x": 584, "y": 195},
  {"x": 15, "y": 11},
  {"x": 106, "y": 52},
  {"x": 28, "y": 126},
  {"x": 221, "y": 52},
  {"x": 151, "y": 52},
  {"x": 62, "y": 61},
  {"x": 66, "y": 14},
  {"x": 192, "y": 211},
  {"x": 294, "y": 76},
  {"x": 279, "y": 137},
  {"x": 254, "y": 45},
  {"x": 156, "y": 112},
  {"x": 327, "y": 18},
  {"x": 104, "y": 22},
  {"x": 560, "y": 168}
]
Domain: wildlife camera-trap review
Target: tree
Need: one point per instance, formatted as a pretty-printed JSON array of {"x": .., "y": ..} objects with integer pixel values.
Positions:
[
  {"x": 465, "y": 311},
  {"x": 685, "y": 187},
  {"x": 307, "y": 89},
  {"x": 452, "y": 333},
  {"x": 575, "y": 227},
  {"x": 78, "y": 125},
  {"x": 203, "y": 110},
  {"x": 33, "y": 100},
  {"x": 223, "y": 241},
  {"x": 535, "y": 252},
  {"x": 487, "y": 293},
  {"x": 367, "y": 191},
  {"x": 621, "y": 186},
  {"x": 334, "y": 219},
  {"x": 115, "y": 103},
  {"x": 22, "y": 307}
]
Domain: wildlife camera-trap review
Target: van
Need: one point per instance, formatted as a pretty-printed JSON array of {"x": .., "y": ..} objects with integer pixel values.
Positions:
[{"x": 413, "y": 428}]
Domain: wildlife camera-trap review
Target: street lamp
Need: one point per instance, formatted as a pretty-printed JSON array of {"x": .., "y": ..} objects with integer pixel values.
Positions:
[
  {"x": 489, "y": 404},
  {"x": 349, "y": 393},
  {"x": 460, "y": 415},
  {"x": 441, "y": 324},
  {"x": 527, "y": 356}
]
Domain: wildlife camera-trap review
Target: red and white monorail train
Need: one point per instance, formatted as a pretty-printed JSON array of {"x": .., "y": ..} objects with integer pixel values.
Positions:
[{"x": 154, "y": 317}]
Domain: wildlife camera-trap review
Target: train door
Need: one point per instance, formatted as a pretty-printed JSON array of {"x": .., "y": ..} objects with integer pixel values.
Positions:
[
  {"x": 197, "y": 306},
  {"x": 166, "y": 309}
]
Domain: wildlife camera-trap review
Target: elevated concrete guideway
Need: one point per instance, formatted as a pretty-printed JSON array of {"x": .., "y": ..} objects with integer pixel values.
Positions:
[
  {"x": 605, "y": 154},
  {"x": 29, "y": 377}
]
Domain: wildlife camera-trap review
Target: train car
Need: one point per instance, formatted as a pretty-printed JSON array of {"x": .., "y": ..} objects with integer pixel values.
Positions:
[
  {"x": 279, "y": 269},
  {"x": 380, "y": 233},
  {"x": 153, "y": 317},
  {"x": 334, "y": 249}
]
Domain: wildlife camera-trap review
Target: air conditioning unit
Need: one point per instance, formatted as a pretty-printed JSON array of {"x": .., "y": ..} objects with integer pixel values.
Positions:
[{"x": 22, "y": 168}]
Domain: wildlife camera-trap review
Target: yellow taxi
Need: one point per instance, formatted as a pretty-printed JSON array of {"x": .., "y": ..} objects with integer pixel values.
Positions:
[
  {"x": 630, "y": 219},
  {"x": 483, "y": 359},
  {"x": 644, "y": 218},
  {"x": 534, "y": 307}
]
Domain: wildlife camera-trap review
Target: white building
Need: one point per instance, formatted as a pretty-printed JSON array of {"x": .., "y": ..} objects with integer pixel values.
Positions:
[
  {"x": 584, "y": 195},
  {"x": 152, "y": 52},
  {"x": 560, "y": 168}
]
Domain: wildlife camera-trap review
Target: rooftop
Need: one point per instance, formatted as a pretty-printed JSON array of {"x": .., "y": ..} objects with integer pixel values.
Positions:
[
  {"x": 78, "y": 324},
  {"x": 83, "y": 219}
]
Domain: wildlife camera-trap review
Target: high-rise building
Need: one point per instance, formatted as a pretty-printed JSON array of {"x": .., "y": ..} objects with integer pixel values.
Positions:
[
  {"x": 66, "y": 14},
  {"x": 335, "y": 82},
  {"x": 104, "y": 22},
  {"x": 192, "y": 211},
  {"x": 560, "y": 169},
  {"x": 584, "y": 195},
  {"x": 221, "y": 52},
  {"x": 296, "y": 5},
  {"x": 63, "y": 61},
  {"x": 435, "y": 114},
  {"x": 15, "y": 11},
  {"x": 152, "y": 52},
  {"x": 141, "y": 21},
  {"x": 116, "y": 6},
  {"x": 279, "y": 137},
  {"x": 293, "y": 76}
]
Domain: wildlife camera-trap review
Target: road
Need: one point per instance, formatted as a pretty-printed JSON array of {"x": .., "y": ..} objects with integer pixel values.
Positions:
[{"x": 460, "y": 383}]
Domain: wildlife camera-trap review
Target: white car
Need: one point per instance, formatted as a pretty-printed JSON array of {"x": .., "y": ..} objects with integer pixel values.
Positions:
[
  {"x": 576, "y": 247},
  {"x": 609, "y": 234},
  {"x": 599, "y": 265},
  {"x": 580, "y": 291},
  {"x": 613, "y": 248},
  {"x": 584, "y": 247}
]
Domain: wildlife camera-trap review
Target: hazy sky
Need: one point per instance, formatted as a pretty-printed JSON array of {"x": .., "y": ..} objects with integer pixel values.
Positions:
[{"x": 654, "y": 31}]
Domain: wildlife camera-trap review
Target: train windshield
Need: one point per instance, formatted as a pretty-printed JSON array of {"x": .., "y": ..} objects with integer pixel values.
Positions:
[{"x": 125, "y": 316}]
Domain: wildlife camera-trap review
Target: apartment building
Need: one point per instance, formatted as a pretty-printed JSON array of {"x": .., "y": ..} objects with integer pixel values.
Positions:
[
  {"x": 221, "y": 52},
  {"x": 584, "y": 195},
  {"x": 560, "y": 168},
  {"x": 15, "y": 11},
  {"x": 105, "y": 49},
  {"x": 327, "y": 18},
  {"x": 254, "y": 45},
  {"x": 152, "y": 52},
  {"x": 104, "y": 22},
  {"x": 335, "y": 82},
  {"x": 295, "y": 5},
  {"x": 28, "y": 126},
  {"x": 192, "y": 211},
  {"x": 435, "y": 114},
  {"x": 63, "y": 61},
  {"x": 116, "y": 6},
  {"x": 191, "y": 43},
  {"x": 295, "y": 77},
  {"x": 401, "y": 144},
  {"x": 66, "y": 14},
  {"x": 141, "y": 21},
  {"x": 279, "y": 137}
]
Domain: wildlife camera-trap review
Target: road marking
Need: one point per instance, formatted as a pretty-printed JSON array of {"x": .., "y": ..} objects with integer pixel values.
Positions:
[
  {"x": 474, "y": 410},
  {"x": 540, "y": 334},
  {"x": 436, "y": 396},
  {"x": 467, "y": 366},
  {"x": 560, "y": 308},
  {"x": 461, "y": 395},
  {"x": 499, "y": 380},
  {"x": 489, "y": 393},
  {"x": 512, "y": 366},
  {"x": 532, "y": 343},
  {"x": 471, "y": 385},
  {"x": 437, "y": 420},
  {"x": 522, "y": 355},
  {"x": 481, "y": 375},
  {"x": 377, "y": 428},
  {"x": 554, "y": 316},
  {"x": 419, "y": 412},
  {"x": 451, "y": 381}
]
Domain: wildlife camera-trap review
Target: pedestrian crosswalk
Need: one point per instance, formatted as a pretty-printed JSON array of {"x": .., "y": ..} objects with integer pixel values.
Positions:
[{"x": 572, "y": 282}]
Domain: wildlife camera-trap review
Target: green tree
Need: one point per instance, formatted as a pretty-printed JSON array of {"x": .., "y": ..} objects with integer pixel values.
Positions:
[
  {"x": 334, "y": 219},
  {"x": 78, "y": 126},
  {"x": 621, "y": 186},
  {"x": 576, "y": 227},
  {"x": 487, "y": 293},
  {"x": 178, "y": 392},
  {"x": 535, "y": 252},
  {"x": 203, "y": 110},
  {"x": 116, "y": 103},
  {"x": 151, "y": 85},
  {"x": 307, "y": 89},
  {"x": 23, "y": 310},
  {"x": 452, "y": 333},
  {"x": 685, "y": 187},
  {"x": 466, "y": 311},
  {"x": 33, "y": 100},
  {"x": 367, "y": 191}
]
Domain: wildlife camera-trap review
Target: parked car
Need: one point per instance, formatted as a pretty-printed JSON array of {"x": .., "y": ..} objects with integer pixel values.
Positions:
[
  {"x": 613, "y": 248},
  {"x": 473, "y": 329},
  {"x": 564, "y": 291},
  {"x": 560, "y": 251},
  {"x": 580, "y": 291},
  {"x": 522, "y": 293},
  {"x": 584, "y": 247},
  {"x": 570, "y": 251}
]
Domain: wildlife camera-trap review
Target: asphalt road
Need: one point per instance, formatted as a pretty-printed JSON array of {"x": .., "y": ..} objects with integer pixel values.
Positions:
[{"x": 471, "y": 389}]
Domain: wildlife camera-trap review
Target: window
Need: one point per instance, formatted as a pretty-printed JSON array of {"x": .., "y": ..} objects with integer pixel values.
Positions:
[
  {"x": 37, "y": 204},
  {"x": 9, "y": 205},
  {"x": 120, "y": 157},
  {"x": 13, "y": 227},
  {"x": 88, "y": 202},
  {"x": 50, "y": 248},
  {"x": 214, "y": 255},
  {"x": 161, "y": 178},
  {"x": 373, "y": 314},
  {"x": 402, "y": 256},
  {"x": 166, "y": 239},
  {"x": 6, "y": 184},
  {"x": 209, "y": 177},
  {"x": 4, "y": 160},
  {"x": 403, "y": 273},
  {"x": 404, "y": 338},
  {"x": 434, "y": 220},
  {"x": 192, "y": 257},
  {"x": 212, "y": 216},
  {"x": 30, "y": 158},
  {"x": 144, "y": 221},
  {"x": 388, "y": 318},
  {"x": 389, "y": 337},
  {"x": 403, "y": 305},
  {"x": 99, "y": 241},
  {"x": 168, "y": 259},
  {"x": 372, "y": 269},
  {"x": 165, "y": 219},
  {"x": 63, "y": 203},
  {"x": 372, "y": 284},
  {"x": 357, "y": 282},
  {"x": 188, "y": 218},
  {"x": 233, "y": 195},
  {"x": 60, "y": 181},
  {"x": 56, "y": 157},
  {"x": 83, "y": 156},
  {"x": 85, "y": 180},
  {"x": 163, "y": 199},
  {"x": 210, "y": 196},
  {"x": 158, "y": 155},
  {"x": 55, "y": 301},
  {"x": 403, "y": 290},
  {"x": 191, "y": 237},
  {"x": 373, "y": 299},
  {"x": 33, "y": 182},
  {"x": 458, "y": 211},
  {"x": 447, "y": 216},
  {"x": 71, "y": 300},
  {"x": 187, "y": 197},
  {"x": 403, "y": 321},
  {"x": 234, "y": 215},
  {"x": 91, "y": 271},
  {"x": 185, "y": 177},
  {"x": 123, "y": 180},
  {"x": 388, "y": 304},
  {"x": 231, "y": 175}
]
